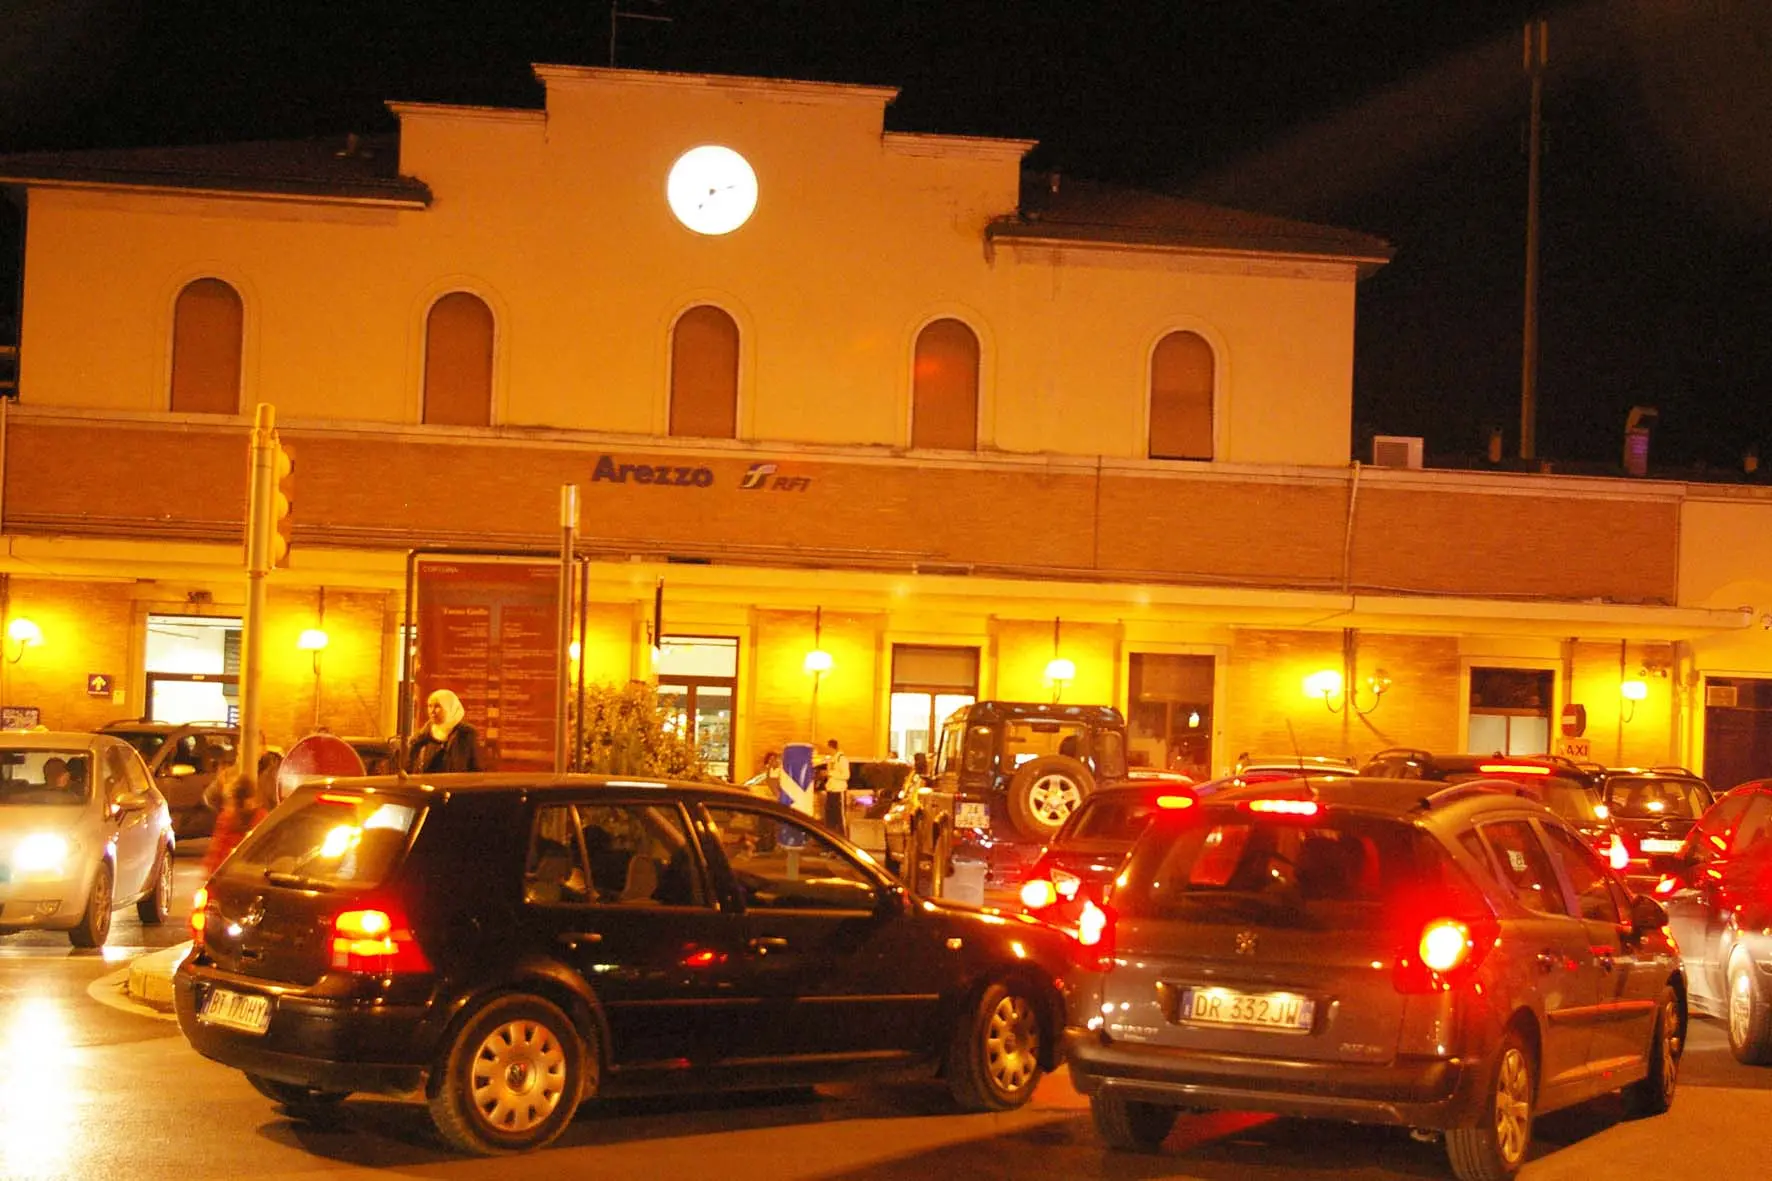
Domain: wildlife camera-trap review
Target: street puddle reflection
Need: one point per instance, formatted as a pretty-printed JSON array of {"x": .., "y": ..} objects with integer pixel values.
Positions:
[{"x": 39, "y": 1101}]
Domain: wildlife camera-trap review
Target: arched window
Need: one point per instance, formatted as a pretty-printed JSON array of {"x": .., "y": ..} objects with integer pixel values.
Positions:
[
  {"x": 944, "y": 387},
  {"x": 704, "y": 374},
  {"x": 458, "y": 361},
  {"x": 208, "y": 326},
  {"x": 1181, "y": 397}
]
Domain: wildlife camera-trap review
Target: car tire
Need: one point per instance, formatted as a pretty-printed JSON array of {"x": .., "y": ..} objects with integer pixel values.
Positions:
[
  {"x": 510, "y": 1079},
  {"x": 1043, "y": 792},
  {"x": 95, "y": 922},
  {"x": 1130, "y": 1125},
  {"x": 297, "y": 1101},
  {"x": 993, "y": 1059},
  {"x": 1654, "y": 1092},
  {"x": 154, "y": 906},
  {"x": 1496, "y": 1146},
  {"x": 1750, "y": 1018}
]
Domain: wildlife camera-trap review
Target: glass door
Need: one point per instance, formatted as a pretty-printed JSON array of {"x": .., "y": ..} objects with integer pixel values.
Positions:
[
  {"x": 928, "y": 684},
  {"x": 698, "y": 690}
]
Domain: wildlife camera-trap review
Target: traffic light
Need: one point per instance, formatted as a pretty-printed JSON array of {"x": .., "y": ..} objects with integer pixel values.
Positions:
[{"x": 281, "y": 504}]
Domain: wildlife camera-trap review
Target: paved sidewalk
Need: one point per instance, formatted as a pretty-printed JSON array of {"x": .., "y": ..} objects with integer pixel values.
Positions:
[{"x": 150, "y": 977}]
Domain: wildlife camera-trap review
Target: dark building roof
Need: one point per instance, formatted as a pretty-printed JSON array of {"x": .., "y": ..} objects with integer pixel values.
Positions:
[
  {"x": 349, "y": 168},
  {"x": 1063, "y": 208}
]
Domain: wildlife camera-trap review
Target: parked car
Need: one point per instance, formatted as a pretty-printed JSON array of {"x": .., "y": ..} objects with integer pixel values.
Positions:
[
  {"x": 1016, "y": 769},
  {"x": 1076, "y": 865},
  {"x": 82, "y": 832},
  {"x": 1653, "y": 809},
  {"x": 1561, "y": 785},
  {"x": 514, "y": 944},
  {"x": 1450, "y": 958},
  {"x": 1718, "y": 894},
  {"x": 183, "y": 759}
]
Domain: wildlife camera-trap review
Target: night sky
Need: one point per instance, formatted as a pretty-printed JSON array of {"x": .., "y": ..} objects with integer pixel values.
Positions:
[{"x": 1403, "y": 118}]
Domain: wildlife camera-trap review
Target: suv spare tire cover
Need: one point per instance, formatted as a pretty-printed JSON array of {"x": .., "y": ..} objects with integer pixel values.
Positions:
[{"x": 1045, "y": 776}]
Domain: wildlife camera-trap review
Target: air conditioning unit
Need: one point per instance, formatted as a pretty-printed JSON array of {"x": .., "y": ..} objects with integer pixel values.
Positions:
[
  {"x": 1396, "y": 451},
  {"x": 1721, "y": 696}
]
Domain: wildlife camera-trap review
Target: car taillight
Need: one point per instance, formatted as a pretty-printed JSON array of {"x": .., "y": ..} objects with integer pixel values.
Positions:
[
  {"x": 1095, "y": 935},
  {"x": 1303, "y": 809},
  {"x": 199, "y": 916},
  {"x": 1038, "y": 893},
  {"x": 375, "y": 942},
  {"x": 1617, "y": 856},
  {"x": 1446, "y": 952},
  {"x": 1667, "y": 885}
]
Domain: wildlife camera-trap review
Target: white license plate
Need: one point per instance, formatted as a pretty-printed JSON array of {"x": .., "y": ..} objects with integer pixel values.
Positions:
[
  {"x": 236, "y": 1010},
  {"x": 973, "y": 814},
  {"x": 1658, "y": 845},
  {"x": 1248, "y": 1010}
]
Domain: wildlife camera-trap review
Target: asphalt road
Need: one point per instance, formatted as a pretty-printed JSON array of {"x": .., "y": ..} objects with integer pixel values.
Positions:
[{"x": 93, "y": 1086}]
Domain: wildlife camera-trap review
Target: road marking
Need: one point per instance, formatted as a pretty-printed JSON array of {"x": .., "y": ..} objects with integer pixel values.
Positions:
[{"x": 108, "y": 955}]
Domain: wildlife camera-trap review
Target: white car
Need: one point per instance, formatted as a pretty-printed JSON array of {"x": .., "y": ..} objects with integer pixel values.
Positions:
[{"x": 82, "y": 831}]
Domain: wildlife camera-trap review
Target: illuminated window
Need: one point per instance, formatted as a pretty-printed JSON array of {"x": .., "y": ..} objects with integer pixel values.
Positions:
[
  {"x": 704, "y": 374},
  {"x": 944, "y": 387},
  {"x": 208, "y": 323},
  {"x": 1182, "y": 382},
  {"x": 458, "y": 361}
]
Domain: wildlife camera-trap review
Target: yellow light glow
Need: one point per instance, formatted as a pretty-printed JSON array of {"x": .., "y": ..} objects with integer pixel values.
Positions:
[
  {"x": 37, "y": 1122},
  {"x": 1323, "y": 683},
  {"x": 312, "y": 639},
  {"x": 818, "y": 661},
  {"x": 572, "y": 650},
  {"x": 339, "y": 841},
  {"x": 23, "y": 631},
  {"x": 1633, "y": 690},
  {"x": 1060, "y": 669}
]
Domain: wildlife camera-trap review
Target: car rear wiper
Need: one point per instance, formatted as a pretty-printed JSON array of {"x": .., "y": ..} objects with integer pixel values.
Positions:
[{"x": 299, "y": 881}]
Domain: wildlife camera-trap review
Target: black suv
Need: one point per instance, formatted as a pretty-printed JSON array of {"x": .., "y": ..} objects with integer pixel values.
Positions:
[
  {"x": 514, "y": 944},
  {"x": 1653, "y": 810},
  {"x": 1018, "y": 768},
  {"x": 1450, "y": 958}
]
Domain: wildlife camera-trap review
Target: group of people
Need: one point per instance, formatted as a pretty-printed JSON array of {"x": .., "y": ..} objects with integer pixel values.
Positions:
[{"x": 824, "y": 797}]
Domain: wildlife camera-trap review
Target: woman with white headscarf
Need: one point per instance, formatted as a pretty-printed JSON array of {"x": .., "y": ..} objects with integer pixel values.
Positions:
[{"x": 448, "y": 743}]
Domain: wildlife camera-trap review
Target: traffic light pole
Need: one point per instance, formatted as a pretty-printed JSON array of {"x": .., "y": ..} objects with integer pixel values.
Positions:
[{"x": 260, "y": 489}]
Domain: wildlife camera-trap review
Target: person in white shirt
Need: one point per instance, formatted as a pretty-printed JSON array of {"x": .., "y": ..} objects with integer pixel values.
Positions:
[{"x": 836, "y": 772}]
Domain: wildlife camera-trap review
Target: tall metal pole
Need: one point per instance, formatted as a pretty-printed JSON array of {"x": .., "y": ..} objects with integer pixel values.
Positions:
[
  {"x": 1536, "y": 53},
  {"x": 258, "y": 564},
  {"x": 562, "y": 669}
]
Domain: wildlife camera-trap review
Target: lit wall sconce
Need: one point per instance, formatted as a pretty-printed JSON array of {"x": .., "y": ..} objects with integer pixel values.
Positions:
[
  {"x": 1327, "y": 685},
  {"x": 1632, "y": 691},
  {"x": 21, "y": 633},
  {"x": 1059, "y": 671},
  {"x": 818, "y": 661},
  {"x": 572, "y": 650}
]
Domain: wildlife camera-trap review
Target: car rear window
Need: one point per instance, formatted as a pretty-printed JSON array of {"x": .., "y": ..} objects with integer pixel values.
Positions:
[
  {"x": 327, "y": 840},
  {"x": 1223, "y": 864},
  {"x": 1643, "y": 797},
  {"x": 1573, "y": 801},
  {"x": 1099, "y": 819}
]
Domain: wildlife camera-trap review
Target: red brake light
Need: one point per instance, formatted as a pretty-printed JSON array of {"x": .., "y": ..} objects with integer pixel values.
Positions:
[
  {"x": 1617, "y": 856},
  {"x": 1284, "y": 807},
  {"x": 1095, "y": 935},
  {"x": 1445, "y": 953},
  {"x": 1038, "y": 893},
  {"x": 199, "y": 915},
  {"x": 329, "y": 797},
  {"x": 1512, "y": 769},
  {"x": 375, "y": 942},
  {"x": 1444, "y": 944}
]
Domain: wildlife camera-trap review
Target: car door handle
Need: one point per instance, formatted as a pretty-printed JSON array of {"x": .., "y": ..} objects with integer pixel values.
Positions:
[
  {"x": 575, "y": 939},
  {"x": 764, "y": 944}
]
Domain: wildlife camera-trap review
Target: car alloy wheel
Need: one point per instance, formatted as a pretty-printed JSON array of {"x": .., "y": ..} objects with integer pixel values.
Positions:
[
  {"x": 1513, "y": 1107},
  {"x": 1053, "y": 798},
  {"x": 1670, "y": 1049},
  {"x": 993, "y": 1060},
  {"x": 1741, "y": 1007},
  {"x": 156, "y": 904},
  {"x": 95, "y": 923},
  {"x": 1012, "y": 1044}
]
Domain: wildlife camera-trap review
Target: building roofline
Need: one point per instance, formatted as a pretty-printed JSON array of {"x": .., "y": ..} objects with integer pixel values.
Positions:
[{"x": 787, "y": 88}]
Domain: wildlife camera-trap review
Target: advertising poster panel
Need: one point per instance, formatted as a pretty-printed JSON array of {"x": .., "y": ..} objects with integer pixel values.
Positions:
[{"x": 489, "y": 631}]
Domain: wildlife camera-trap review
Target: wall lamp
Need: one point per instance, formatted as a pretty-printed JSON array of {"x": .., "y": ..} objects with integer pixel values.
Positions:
[
  {"x": 1631, "y": 692},
  {"x": 818, "y": 661},
  {"x": 24, "y": 634},
  {"x": 1059, "y": 671},
  {"x": 1327, "y": 685}
]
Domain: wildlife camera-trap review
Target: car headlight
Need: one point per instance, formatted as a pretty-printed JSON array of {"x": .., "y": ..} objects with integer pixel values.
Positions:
[{"x": 41, "y": 853}]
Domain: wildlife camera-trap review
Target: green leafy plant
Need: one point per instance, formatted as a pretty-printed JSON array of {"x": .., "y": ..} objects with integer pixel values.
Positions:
[{"x": 626, "y": 733}]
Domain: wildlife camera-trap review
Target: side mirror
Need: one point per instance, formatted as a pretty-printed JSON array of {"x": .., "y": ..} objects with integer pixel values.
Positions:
[
  {"x": 132, "y": 801},
  {"x": 179, "y": 770},
  {"x": 1646, "y": 914}
]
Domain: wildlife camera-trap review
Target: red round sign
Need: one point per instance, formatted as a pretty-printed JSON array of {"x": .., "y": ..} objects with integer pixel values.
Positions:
[{"x": 318, "y": 756}]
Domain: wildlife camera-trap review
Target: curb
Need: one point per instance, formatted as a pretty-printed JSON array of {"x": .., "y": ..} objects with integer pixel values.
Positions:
[{"x": 150, "y": 976}]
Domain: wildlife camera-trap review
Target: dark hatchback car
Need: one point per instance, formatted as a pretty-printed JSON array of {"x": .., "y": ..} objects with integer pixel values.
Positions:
[
  {"x": 1653, "y": 811},
  {"x": 1076, "y": 866},
  {"x": 513, "y": 945},
  {"x": 1448, "y": 958},
  {"x": 1718, "y": 894}
]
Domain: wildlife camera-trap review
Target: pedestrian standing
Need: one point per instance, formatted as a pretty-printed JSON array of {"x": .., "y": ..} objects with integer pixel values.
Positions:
[
  {"x": 240, "y": 813},
  {"x": 448, "y": 743},
  {"x": 768, "y": 784},
  {"x": 836, "y": 786}
]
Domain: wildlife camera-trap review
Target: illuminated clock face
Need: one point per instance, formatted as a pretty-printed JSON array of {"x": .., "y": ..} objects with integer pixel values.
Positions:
[{"x": 712, "y": 189}]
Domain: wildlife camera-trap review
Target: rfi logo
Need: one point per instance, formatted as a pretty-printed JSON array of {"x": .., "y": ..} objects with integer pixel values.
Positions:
[{"x": 762, "y": 475}]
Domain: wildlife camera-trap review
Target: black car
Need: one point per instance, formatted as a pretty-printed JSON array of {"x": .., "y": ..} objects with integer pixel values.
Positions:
[
  {"x": 1653, "y": 810},
  {"x": 1076, "y": 866},
  {"x": 514, "y": 944},
  {"x": 1718, "y": 894},
  {"x": 1451, "y": 958}
]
